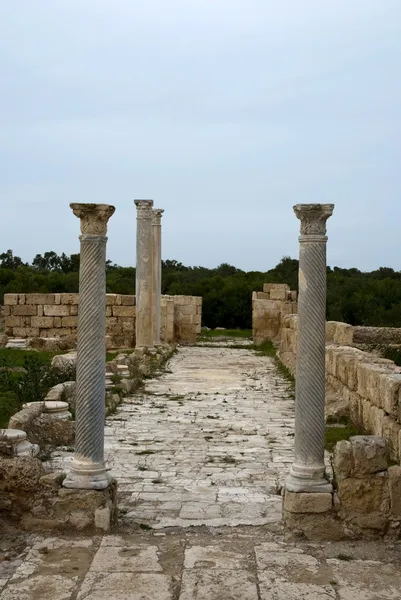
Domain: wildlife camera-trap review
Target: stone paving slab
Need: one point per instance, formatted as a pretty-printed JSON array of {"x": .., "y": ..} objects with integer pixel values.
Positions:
[
  {"x": 246, "y": 563},
  {"x": 209, "y": 442}
]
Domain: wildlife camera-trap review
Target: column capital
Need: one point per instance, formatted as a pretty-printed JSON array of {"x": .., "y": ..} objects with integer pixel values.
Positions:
[
  {"x": 94, "y": 217},
  {"x": 313, "y": 217},
  {"x": 144, "y": 208},
  {"x": 157, "y": 215}
]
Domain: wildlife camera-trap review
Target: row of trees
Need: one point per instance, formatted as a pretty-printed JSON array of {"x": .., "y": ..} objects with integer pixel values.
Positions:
[{"x": 353, "y": 296}]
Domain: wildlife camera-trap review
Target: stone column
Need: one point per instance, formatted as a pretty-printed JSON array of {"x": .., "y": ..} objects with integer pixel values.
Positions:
[
  {"x": 308, "y": 470},
  {"x": 144, "y": 271},
  {"x": 88, "y": 469},
  {"x": 157, "y": 271}
]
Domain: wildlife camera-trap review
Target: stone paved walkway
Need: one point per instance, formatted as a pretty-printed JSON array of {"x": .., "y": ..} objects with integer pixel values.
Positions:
[
  {"x": 225, "y": 564},
  {"x": 208, "y": 443}
]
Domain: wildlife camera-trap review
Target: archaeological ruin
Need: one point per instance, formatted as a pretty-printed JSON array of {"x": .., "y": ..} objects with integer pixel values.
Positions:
[{"x": 183, "y": 434}]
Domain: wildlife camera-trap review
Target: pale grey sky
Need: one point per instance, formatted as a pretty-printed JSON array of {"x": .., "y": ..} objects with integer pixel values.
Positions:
[{"x": 225, "y": 112}]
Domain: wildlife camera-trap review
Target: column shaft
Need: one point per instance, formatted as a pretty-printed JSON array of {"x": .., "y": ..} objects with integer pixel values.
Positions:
[
  {"x": 157, "y": 272},
  {"x": 88, "y": 469},
  {"x": 308, "y": 470},
  {"x": 144, "y": 274}
]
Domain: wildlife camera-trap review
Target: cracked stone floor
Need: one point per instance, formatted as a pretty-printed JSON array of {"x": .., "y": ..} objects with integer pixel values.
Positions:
[{"x": 208, "y": 444}]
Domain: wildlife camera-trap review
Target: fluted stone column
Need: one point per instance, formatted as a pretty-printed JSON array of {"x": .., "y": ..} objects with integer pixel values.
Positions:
[
  {"x": 157, "y": 271},
  {"x": 308, "y": 470},
  {"x": 88, "y": 469},
  {"x": 144, "y": 274}
]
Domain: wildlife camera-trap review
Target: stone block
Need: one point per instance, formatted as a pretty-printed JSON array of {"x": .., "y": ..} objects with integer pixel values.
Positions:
[
  {"x": 186, "y": 310},
  {"x": 26, "y": 310},
  {"x": 293, "y": 295},
  {"x": 128, "y": 300},
  {"x": 57, "y": 298},
  {"x": 68, "y": 299},
  {"x": 369, "y": 454},
  {"x": 364, "y": 496},
  {"x": 198, "y": 300},
  {"x": 12, "y": 322},
  {"x": 10, "y": 299},
  {"x": 73, "y": 310},
  {"x": 61, "y": 310},
  {"x": 394, "y": 484},
  {"x": 111, "y": 299},
  {"x": 124, "y": 311},
  {"x": 39, "y": 310},
  {"x": 39, "y": 299},
  {"x": 391, "y": 431},
  {"x": 57, "y": 320},
  {"x": 390, "y": 388},
  {"x": 56, "y": 332},
  {"x": 278, "y": 294},
  {"x": 302, "y": 502},
  {"x": 21, "y": 298},
  {"x": 42, "y": 322},
  {"x": 267, "y": 287},
  {"x": 342, "y": 460},
  {"x": 262, "y": 296},
  {"x": 376, "y": 420},
  {"x": 69, "y": 321},
  {"x": 25, "y": 332}
]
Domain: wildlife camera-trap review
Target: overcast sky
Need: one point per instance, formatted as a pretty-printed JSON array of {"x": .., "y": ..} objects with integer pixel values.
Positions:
[{"x": 225, "y": 112}]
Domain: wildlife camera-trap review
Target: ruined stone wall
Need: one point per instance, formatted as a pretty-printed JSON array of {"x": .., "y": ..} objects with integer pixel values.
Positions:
[
  {"x": 268, "y": 309},
  {"x": 370, "y": 385},
  {"x": 56, "y": 316}
]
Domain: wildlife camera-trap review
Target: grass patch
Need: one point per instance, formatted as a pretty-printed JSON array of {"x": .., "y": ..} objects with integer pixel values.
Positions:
[
  {"x": 266, "y": 348},
  {"x": 111, "y": 356},
  {"x": 333, "y": 434}
]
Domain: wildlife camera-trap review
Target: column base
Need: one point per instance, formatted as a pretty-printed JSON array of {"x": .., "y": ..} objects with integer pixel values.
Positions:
[
  {"x": 308, "y": 478},
  {"x": 87, "y": 477}
]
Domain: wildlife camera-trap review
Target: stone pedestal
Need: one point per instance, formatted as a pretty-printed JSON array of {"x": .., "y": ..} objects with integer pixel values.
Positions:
[
  {"x": 144, "y": 274},
  {"x": 157, "y": 272},
  {"x": 13, "y": 442},
  {"x": 88, "y": 470},
  {"x": 308, "y": 470}
]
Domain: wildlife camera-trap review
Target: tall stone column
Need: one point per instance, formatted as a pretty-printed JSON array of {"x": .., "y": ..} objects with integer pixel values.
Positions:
[
  {"x": 308, "y": 470},
  {"x": 157, "y": 271},
  {"x": 144, "y": 274},
  {"x": 88, "y": 469}
]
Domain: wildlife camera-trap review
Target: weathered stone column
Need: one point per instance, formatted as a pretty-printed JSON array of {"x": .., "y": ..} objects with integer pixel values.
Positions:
[
  {"x": 308, "y": 470},
  {"x": 144, "y": 271},
  {"x": 88, "y": 470},
  {"x": 157, "y": 271}
]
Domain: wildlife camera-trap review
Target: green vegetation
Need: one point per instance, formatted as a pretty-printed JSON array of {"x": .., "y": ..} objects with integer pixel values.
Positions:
[
  {"x": 334, "y": 434},
  {"x": 236, "y": 333},
  {"x": 353, "y": 296},
  {"x": 392, "y": 353},
  {"x": 26, "y": 376}
]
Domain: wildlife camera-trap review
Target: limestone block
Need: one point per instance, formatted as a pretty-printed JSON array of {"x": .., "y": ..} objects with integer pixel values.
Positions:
[
  {"x": 128, "y": 326},
  {"x": 278, "y": 294},
  {"x": 57, "y": 298},
  {"x": 21, "y": 298},
  {"x": 391, "y": 431},
  {"x": 40, "y": 310},
  {"x": 369, "y": 454},
  {"x": 69, "y": 299},
  {"x": 69, "y": 321},
  {"x": 128, "y": 300},
  {"x": 73, "y": 310},
  {"x": 42, "y": 322},
  {"x": 187, "y": 310},
  {"x": 63, "y": 361},
  {"x": 198, "y": 300},
  {"x": 61, "y": 310},
  {"x": 342, "y": 460},
  {"x": 302, "y": 502},
  {"x": 6, "y": 310},
  {"x": 390, "y": 393},
  {"x": 118, "y": 300},
  {"x": 124, "y": 311},
  {"x": 111, "y": 299},
  {"x": 10, "y": 299},
  {"x": 267, "y": 287},
  {"x": 394, "y": 484},
  {"x": 369, "y": 381},
  {"x": 262, "y": 296},
  {"x": 198, "y": 319},
  {"x": 57, "y": 321},
  {"x": 56, "y": 332},
  {"x": 364, "y": 496},
  {"x": 25, "y": 332},
  {"x": 25, "y": 310},
  {"x": 344, "y": 334},
  {"x": 376, "y": 417},
  {"x": 199, "y": 329},
  {"x": 12, "y": 322},
  {"x": 39, "y": 299},
  {"x": 293, "y": 295}
]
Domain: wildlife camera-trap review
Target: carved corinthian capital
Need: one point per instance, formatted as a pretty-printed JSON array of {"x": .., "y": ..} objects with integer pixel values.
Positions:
[
  {"x": 94, "y": 217},
  {"x": 313, "y": 217},
  {"x": 157, "y": 216},
  {"x": 144, "y": 209}
]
